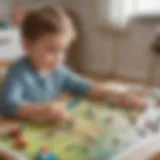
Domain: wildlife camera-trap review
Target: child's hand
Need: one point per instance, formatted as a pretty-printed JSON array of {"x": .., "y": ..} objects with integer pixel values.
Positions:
[
  {"x": 56, "y": 112},
  {"x": 132, "y": 100}
]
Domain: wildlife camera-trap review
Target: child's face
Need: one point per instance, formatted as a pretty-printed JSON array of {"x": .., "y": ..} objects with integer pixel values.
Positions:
[{"x": 46, "y": 52}]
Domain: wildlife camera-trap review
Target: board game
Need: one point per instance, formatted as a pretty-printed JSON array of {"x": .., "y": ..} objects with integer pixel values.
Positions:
[{"x": 99, "y": 131}]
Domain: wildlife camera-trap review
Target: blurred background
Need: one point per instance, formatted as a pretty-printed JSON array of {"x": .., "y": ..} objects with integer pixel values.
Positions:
[{"x": 116, "y": 37}]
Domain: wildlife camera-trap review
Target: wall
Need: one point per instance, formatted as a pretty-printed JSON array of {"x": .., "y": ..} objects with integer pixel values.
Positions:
[
  {"x": 96, "y": 56},
  {"x": 135, "y": 58},
  {"x": 112, "y": 52},
  {"x": 107, "y": 51},
  {"x": 134, "y": 52}
]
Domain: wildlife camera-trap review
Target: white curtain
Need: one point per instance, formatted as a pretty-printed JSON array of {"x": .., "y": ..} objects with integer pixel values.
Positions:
[{"x": 120, "y": 11}]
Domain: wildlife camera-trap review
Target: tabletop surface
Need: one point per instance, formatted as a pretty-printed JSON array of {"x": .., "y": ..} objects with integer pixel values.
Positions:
[{"x": 120, "y": 125}]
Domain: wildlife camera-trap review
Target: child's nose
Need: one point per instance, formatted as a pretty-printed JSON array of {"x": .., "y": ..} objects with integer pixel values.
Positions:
[{"x": 50, "y": 57}]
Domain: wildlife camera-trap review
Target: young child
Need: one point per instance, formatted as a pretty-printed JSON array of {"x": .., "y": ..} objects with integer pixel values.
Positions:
[{"x": 40, "y": 77}]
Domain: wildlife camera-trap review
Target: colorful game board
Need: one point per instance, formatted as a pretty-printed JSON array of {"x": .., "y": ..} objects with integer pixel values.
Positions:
[{"x": 99, "y": 131}]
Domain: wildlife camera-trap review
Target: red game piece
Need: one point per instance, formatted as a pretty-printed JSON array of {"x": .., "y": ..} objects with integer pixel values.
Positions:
[
  {"x": 21, "y": 143},
  {"x": 15, "y": 133}
]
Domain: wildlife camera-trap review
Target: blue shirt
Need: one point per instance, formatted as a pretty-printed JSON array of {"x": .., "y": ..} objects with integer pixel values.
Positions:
[{"x": 23, "y": 84}]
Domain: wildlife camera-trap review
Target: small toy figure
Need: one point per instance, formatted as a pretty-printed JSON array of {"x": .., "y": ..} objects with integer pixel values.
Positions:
[{"x": 44, "y": 154}]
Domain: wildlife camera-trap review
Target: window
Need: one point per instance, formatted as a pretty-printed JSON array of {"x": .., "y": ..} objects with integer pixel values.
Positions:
[{"x": 120, "y": 11}]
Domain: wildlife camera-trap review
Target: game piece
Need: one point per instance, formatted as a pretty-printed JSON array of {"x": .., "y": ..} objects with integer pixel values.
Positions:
[
  {"x": 127, "y": 110},
  {"x": 152, "y": 126},
  {"x": 15, "y": 133},
  {"x": 111, "y": 101},
  {"x": 108, "y": 119},
  {"x": 41, "y": 156},
  {"x": 74, "y": 102},
  {"x": 133, "y": 117},
  {"x": 92, "y": 138},
  {"x": 44, "y": 154},
  {"x": 51, "y": 156},
  {"x": 20, "y": 143}
]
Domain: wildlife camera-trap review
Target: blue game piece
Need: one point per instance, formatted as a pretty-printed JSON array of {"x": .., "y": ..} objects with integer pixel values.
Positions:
[
  {"x": 74, "y": 102},
  {"x": 45, "y": 156},
  {"x": 39, "y": 156},
  {"x": 51, "y": 156}
]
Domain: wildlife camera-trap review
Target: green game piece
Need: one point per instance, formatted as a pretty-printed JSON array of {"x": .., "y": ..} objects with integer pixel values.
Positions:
[
  {"x": 111, "y": 101},
  {"x": 74, "y": 102},
  {"x": 127, "y": 109}
]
